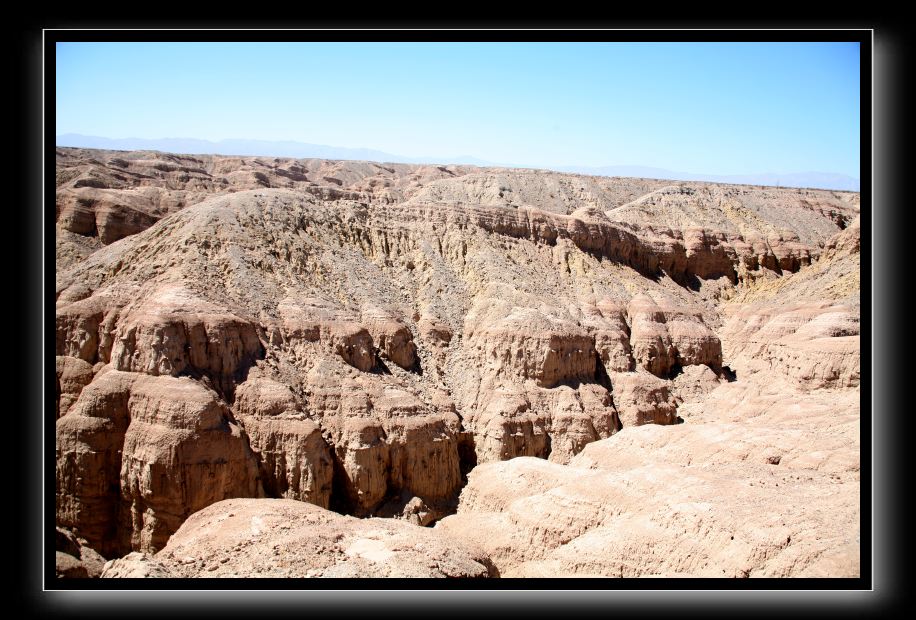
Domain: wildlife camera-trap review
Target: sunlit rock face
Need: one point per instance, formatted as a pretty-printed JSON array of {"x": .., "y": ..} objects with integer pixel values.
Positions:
[{"x": 524, "y": 372}]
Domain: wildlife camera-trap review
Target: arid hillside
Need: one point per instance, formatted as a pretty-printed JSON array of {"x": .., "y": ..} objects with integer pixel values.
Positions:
[{"x": 286, "y": 367}]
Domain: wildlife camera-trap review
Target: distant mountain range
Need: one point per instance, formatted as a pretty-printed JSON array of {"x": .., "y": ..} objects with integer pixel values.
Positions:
[
  {"x": 818, "y": 180},
  {"x": 303, "y": 150}
]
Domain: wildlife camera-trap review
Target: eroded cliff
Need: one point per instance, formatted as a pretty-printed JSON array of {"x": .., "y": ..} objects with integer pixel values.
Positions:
[{"x": 369, "y": 338}]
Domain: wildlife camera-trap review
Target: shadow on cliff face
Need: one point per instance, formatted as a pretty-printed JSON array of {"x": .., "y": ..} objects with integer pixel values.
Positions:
[
  {"x": 380, "y": 368},
  {"x": 675, "y": 371},
  {"x": 601, "y": 376},
  {"x": 401, "y": 502},
  {"x": 340, "y": 499},
  {"x": 225, "y": 385},
  {"x": 467, "y": 455}
]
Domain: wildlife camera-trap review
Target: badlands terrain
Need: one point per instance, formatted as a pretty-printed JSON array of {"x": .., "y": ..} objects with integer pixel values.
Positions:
[{"x": 292, "y": 368}]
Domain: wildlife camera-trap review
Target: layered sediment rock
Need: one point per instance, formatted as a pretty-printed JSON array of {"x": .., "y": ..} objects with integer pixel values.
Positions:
[
  {"x": 806, "y": 326},
  {"x": 73, "y": 374},
  {"x": 174, "y": 332},
  {"x": 526, "y": 344},
  {"x": 90, "y": 441},
  {"x": 816, "y": 344},
  {"x": 294, "y": 458},
  {"x": 384, "y": 439},
  {"x": 360, "y": 337},
  {"x": 643, "y": 398},
  {"x": 137, "y": 454},
  {"x": 665, "y": 336},
  {"x": 182, "y": 452},
  {"x": 392, "y": 337},
  {"x": 285, "y": 538},
  {"x": 712, "y": 497}
]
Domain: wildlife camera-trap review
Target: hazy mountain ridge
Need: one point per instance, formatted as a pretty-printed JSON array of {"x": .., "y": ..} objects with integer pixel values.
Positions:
[{"x": 289, "y": 148}]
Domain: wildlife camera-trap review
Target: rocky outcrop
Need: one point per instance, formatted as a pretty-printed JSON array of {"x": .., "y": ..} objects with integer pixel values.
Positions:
[
  {"x": 704, "y": 498},
  {"x": 649, "y": 337},
  {"x": 815, "y": 344},
  {"x": 90, "y": 441},
  {"x": 528, "y": 421},
  {"x": 85, "y": 327},
  {"x": 534, "y": 387},
  {"x": 652, "y": 251},
  {"x": 315, "y": 320},
  {"x": 73, "y": 374},
  {"x": 137, "y": 454},
  {"x": 173, "y": 332},
  {"x": 642, "y": 398},
  {"x": 286, "y": 538},
  {"x": 294, "y": 458},
  {"x": 111, "y": 194},
  {"x": 384, "y": 439},
  {"x": 694, "y": 383},
  {"x": 136, "y": 565},
  {"x": 526, "y": 344},
  {"x": 366, "y": 337},
  {"x": 182, "y": 452},
  {"x": 392, "y": 337},
  {"x": 663, "y": 337},
  {"x": 74, "y": 558},
  {"x": 607, "y": 322}
]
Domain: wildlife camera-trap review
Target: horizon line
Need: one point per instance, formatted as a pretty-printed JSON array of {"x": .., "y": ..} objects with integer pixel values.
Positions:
[{"x": 588, "y": 170}]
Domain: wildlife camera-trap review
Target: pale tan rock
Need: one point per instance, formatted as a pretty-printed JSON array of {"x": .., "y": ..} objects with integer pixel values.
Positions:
[
  {"x": 761, "y": 479},
  {"x": 295, "y": 461},
  {"x": 844, "y": 243},
  {"x": 814, "y": 343},
  {"x": 532, "y": 421},
  {"x": 136, "y": 565},
  {"x": 664, "y": 336},
  {"x": 182, "y": 452},
  {"x": 610, "y": 513},
  {"x": 373, "y": 332},
  {"x": 505, "y": 427},
  {"x": 286, "y": 538},
  {"x": 649, "y": 337},
  {"x": 608, "y": 319},
  {"x": 385, "y": 440},
  {"x": 174, "y": 331},
  {"x": 315, "y": 320},
  {"x": 435, "y": 330},
  {"x": 392, "y": 337},
  {"x": 694, "y": 383},
  {"x": 80, "y": 332},
  {"x": 526, "y": 344},
  {"x": 262, "y": 397},
  {"x": 642, "y": 398},
  {"x": 89, "y": 444}
]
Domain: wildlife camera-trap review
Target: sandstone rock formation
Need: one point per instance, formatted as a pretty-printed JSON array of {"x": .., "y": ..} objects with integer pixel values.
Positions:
[
  {"x": 74, "y": 558},
  {"x": 762, "y": 479},
  {"x": 73, "y": 374},
  {"x": 137, "y": 454},
  {"x": 368, "y": 338},
  {"x": 286, "y": 538}
]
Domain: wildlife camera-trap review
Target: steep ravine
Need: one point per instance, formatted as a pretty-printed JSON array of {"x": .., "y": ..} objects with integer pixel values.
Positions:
[{"x": 373, "y": 347}]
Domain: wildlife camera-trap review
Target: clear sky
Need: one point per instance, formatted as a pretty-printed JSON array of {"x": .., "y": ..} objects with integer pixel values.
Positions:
[{"x": 718, "y": 108}]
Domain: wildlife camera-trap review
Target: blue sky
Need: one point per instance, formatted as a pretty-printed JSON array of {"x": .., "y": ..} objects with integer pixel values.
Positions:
[{"x": 719, "y": 108}]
